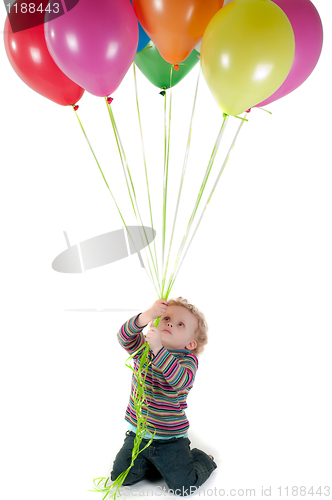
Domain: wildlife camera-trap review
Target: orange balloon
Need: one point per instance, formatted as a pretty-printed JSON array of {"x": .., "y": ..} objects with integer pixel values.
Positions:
[{"x": 175, "y": 26}]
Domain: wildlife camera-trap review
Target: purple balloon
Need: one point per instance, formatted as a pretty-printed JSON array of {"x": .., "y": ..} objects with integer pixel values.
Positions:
[
  {"x": 308, "y": 32},
  {"x": 94, "y": 44}
]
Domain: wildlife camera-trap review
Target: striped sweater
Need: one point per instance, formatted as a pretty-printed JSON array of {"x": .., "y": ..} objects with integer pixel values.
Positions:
[{"x": 168, "y": 382}]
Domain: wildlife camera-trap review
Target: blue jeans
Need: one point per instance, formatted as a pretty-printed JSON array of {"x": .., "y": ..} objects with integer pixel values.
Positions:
[{"x": 183, "y": 470}]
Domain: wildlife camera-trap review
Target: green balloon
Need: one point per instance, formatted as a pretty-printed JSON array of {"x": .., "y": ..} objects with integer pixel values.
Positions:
[{"x": 158, "y": 71}]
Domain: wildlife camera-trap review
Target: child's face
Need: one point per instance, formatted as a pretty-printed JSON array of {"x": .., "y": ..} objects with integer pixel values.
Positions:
[{"x": 177, "y": 327}]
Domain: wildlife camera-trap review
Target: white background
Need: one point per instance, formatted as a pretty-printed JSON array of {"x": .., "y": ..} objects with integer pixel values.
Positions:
[{"x": 259, "y": 268}]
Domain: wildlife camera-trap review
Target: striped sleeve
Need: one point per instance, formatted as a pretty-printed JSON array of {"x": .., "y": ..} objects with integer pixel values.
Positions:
[
  {"x": 180, "y": 374},
  {"x": 131, "y": 336}
]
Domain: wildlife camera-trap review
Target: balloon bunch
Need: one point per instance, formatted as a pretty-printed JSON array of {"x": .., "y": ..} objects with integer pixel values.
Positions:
[{"x": 251, "y": 52}]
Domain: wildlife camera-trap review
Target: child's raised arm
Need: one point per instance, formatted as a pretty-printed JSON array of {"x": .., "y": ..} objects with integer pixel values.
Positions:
[
  {"x": 158, "y": 309},
  {"x": 130, "y": 334}
]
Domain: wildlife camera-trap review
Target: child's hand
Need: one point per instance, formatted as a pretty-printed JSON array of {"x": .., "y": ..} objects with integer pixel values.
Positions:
[
  {"x": 158, "y": 308},
  {"x": 153, "y": 336}
]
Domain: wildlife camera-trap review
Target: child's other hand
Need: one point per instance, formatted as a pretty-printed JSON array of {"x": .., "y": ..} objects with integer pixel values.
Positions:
[
  {"x": 153, "y": 337},
  {"x": 158, "y": 309}
]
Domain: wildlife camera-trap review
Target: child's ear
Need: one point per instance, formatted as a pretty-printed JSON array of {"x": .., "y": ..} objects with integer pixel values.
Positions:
[{"x": 192, "y": 345}]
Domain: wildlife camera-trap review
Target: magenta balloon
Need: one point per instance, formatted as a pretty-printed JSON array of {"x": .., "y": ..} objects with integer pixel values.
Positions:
[
  {"x": 308, "y": 32},
  {"x": 95, "y": 43}
]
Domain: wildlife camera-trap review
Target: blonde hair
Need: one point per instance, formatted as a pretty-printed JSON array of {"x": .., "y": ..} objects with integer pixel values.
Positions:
[{"x": 202, "y": 327}]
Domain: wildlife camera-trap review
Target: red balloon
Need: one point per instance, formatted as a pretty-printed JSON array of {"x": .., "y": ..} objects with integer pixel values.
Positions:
[{"x": 29, "y": 56}]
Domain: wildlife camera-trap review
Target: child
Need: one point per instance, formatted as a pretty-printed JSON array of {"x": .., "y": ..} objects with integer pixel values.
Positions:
[{"x": 174, "y": 344}]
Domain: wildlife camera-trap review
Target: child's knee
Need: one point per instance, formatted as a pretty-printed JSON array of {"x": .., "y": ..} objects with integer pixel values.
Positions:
[
  {"x": 116, "y": 472},
  {"x": 129, "y": 479},
  {"x": 135, "y": 474},
  {"x": 120, "y": 464}
]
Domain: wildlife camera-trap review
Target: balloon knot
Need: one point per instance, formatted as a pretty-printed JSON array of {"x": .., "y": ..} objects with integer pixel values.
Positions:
[
  {"x": 109, "y": 100},
  {"x": 76, "y": 107},
  {"x": 225, "y": 115},
  {"x": 248, "y": 110},
  {"x": 162, "y": 91},
  {"x": 176, "y": 67}
]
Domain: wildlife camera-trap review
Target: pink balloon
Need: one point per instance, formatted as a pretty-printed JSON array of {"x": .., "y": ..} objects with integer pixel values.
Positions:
[
  {"x": 308, "y": 32},
  {"x": 94, "y": 44}
]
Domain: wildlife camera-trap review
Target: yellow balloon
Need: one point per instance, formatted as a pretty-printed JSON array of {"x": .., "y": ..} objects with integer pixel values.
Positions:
[{"x": 247, "y": 52}]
